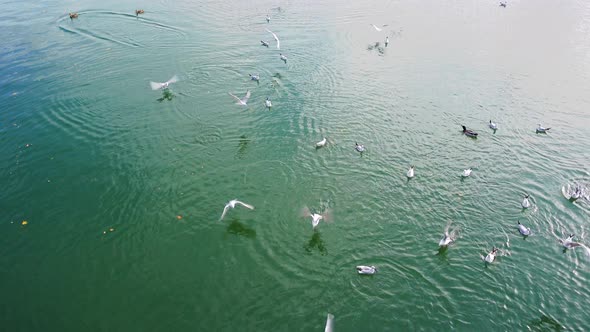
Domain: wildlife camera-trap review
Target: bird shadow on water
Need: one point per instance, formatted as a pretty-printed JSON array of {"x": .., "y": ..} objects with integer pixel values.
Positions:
[
  {"x": 166, "y": 95},
  {"x": 235, "y": 227},
  {"x": 242, "y": 146},
  {"x": 545, "y": 323},
  {"x": 377, "y": 47},
  {"x": 316, "y": 242}
]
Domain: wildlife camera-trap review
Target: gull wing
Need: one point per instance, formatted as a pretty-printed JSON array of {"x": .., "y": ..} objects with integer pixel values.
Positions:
[
  {"x": 276, "y": 38},
  {"x": 224, "y": 211},
  {"x": 246, "y": 97},
  {"x": 305, "y": 212},
  {"x": 156, "y": 85},
  {"x": 376, "y": 27},
  {"x": 174, "y": 79},
  {"x": 235, "y": 97},
  {"x": 245, "y": 205}
]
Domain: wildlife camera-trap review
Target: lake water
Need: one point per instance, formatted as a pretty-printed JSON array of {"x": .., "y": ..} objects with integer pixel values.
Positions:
[{"x": 122, "y": 188}]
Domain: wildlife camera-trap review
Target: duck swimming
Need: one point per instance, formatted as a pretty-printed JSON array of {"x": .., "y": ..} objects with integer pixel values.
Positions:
[
  {"x": 284, "y": 58},
  {"x": 264, "y": 43},
  {"x": 139, "y": 11},
  {"x": 541, "y": 129},
  {"x": 491, "y": 256},
  {"x": 466, "y": 172},
  {"x": 525, "y": 202},
  {"x": 321, "y": 143},
  {"x": 523, "y": 230},
  {"x": 359, "y": 147},
  {"x": 469, "y": 132},
  {"x": 363, "y": 269},
  {"x": 73, "y": 15},
  {"x": 493, "y": 125},
  {"x": 268, "y": 103},
  {"x": 410, "y": 173}
]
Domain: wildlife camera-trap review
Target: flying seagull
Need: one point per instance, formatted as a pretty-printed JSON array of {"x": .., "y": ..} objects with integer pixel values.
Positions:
[
  {"x": 232, "y": 204},
  {"x": 158, "y": 86},
  {"x": 276, "y": 38},
  {"x": 243, "y": 101}
]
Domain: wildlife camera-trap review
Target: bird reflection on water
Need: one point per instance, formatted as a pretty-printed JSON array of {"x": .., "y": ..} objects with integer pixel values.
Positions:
[
  {"x": 241, "y": 229},
  {"x": 316, "y": 242}
]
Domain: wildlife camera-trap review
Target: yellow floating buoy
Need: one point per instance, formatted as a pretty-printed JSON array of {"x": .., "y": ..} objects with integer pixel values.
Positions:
[
  {"x": 24, "y": 222},
  {"x": 111, "y": 229},
  {"x": 179, "y": 217}
]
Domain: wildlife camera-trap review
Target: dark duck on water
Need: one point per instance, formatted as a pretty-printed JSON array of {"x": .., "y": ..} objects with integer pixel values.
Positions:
[{"x": 469, "y": 132}]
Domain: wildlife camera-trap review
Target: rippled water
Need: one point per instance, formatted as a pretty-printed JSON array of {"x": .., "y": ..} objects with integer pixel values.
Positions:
[{"x": 122, "y": 189}]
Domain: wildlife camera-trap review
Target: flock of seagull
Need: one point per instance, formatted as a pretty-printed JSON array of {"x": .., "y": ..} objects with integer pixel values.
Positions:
[{"x": 449, "y": 236}]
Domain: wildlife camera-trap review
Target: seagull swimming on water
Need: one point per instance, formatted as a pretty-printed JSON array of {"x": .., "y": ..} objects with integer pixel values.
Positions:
[
  {"x": 525, "y": 202},
  {"x": 448, "y": 237},
  {"x": 268, "y": 103},
  {"x": 466, "y": 172},
  {"x": 276, "y": 38},
  {"x": 568, "y": 243},
  {"x": 410, "y": 173},
  {"x": 232, "y": 204},
  {"x": 243, "y": 101},
  {"x": 255, "y": 77},
  {"x": 525, "y": 231},
  {"x": 158, "y": 86},
  {"x": 263, "y": 43},
  {"x": 493, "y": 125},
  {"x": 321, "y": 143},
  {"x": 363, "y": 269},
  {"x": 316, "y": 217},
  {"x": 359, "y": 147},
  {"x": 283, "y": 57},
  {"x": 491, "y": 256},
  {"x": 541, "y": 129}
]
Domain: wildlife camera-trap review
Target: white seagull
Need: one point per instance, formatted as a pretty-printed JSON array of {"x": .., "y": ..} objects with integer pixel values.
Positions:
[
  {"x": 493, "y": 125},
  {"x": 359, "y": 147},
  {"x": 329, "y": 323},
  {"x": 523, "y": 230},
  {"x": 386, "y": 41},
  {"x": 378, "y": 28},
  {"x": 447, "y": 238},
  {"x": 263, "y": 43},
  {"x": 491, "y": 256},
  {"x": 283, "y": 57},
  {"x": 243, "y": 101},
  {"x": 541, "y": 129},
  {"x": 316, "y": 218},
  {"x": 232, "y": 204},
  {"x": 525, "y": 202},
  {"x": 466, "y": 172},
  {"x": 321, "y": 143},
  {"x": 363, "y": 269},
  {"x": 268, "y": 103},
  {"x": 569, "y": 243},
  {"x": 276, "y": 38},
  {"x": 158, "y": 86},
  {"x": 267, "y": 18},
  {"x": 255, "y": 77},
  {"x": 410, "y": 173}
]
